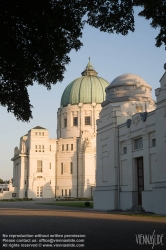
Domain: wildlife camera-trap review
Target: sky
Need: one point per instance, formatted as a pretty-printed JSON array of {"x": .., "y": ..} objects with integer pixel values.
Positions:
[{"x": 111, "y": 55}]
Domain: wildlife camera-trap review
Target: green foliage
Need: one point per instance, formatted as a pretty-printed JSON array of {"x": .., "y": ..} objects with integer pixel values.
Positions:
[
  {"x": 87, "y": 204},
  {"x": 1, "y": 181},
  {"x": 67, "y": 204},
  {"x": 10, "y": 200},
  {"x": 37, "y": 37}
]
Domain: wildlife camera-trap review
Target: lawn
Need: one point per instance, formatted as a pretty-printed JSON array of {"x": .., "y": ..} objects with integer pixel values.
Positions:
[
  {"x": 11, "y": 200},
  {"x": 148, "y": 215},
  {"x": 69, "y": 204}
]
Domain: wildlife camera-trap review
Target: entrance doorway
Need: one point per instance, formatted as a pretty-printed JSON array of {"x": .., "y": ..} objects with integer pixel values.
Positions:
[
  {"x": 39, "y": 192},
  {"x": 140, "y": 179}
]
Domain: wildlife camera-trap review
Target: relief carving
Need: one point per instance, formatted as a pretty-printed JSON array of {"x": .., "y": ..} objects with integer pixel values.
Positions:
[
  {"x": 87, "y": 144},
  {"x": 16, "y": 151},
  {"x": 143, "y": 116},
  {"x": 136, "y": 120},
  {"x": 128, "y": 123}
]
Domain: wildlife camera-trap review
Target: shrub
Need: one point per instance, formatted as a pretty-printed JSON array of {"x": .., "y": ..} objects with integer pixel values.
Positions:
[{"x": 87, "y": 204}]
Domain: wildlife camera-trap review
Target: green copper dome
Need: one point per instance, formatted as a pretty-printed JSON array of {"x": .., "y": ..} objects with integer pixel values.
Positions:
[{"x": 86, "y": 89}]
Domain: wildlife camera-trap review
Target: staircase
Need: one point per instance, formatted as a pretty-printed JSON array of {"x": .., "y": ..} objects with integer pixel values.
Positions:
[{"x": 137, "y": 209}]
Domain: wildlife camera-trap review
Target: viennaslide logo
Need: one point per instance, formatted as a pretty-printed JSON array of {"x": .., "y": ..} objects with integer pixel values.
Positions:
[{"x": 150, "y": 239}]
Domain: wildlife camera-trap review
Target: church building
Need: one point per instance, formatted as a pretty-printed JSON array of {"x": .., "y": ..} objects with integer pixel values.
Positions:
[
  {"x": 131, "y": 147},
  {"x": 62, "y": 167},
  {"x": 110, "y": 147}
]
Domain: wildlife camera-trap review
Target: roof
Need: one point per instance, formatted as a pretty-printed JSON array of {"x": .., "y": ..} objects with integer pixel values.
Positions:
[
  {"x": 128, "y": 87},
  {"x": 162, "y": 76},
  {"x": 88, "y": 88},
  {"x": 38, "y": 127},
  {"x": 129, "y": 79}
]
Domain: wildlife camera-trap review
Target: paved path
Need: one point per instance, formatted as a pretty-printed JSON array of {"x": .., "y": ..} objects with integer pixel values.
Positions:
[{"x": 103, "y": 231}]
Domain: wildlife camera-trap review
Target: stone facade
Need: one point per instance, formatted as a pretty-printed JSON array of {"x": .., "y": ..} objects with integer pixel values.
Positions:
[
  {"x": 131, "y": 152},
  {"x": 44, "y": 167}
]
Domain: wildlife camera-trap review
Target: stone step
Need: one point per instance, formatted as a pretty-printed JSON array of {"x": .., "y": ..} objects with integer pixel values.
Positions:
[{"x": 136, "y": 209}]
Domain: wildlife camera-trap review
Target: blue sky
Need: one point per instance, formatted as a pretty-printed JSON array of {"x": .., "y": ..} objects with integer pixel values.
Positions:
[{"x": 111, "y": 55}]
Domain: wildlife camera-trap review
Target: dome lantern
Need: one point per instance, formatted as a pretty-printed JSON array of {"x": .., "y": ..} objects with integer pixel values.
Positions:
[{"x": 89, "y": 70}]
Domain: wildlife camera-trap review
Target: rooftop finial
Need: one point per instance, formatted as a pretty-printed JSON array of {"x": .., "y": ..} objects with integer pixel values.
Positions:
[
  {"x": 89, "y": 70},
  {"x": 165, "y": 66}
]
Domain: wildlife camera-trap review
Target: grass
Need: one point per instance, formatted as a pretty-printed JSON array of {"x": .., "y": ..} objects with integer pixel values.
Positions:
[
  {"x": 11, "y": 200},
  {"x": 69, "y": 204},
  {"x": 74, "y": 199},
  {"x": 148, "y": 215}
]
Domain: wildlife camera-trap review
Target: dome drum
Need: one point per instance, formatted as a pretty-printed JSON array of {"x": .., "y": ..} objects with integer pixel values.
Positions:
[
  {"x": 81, "y": 104},
  {"x": 128, "y": 87}
]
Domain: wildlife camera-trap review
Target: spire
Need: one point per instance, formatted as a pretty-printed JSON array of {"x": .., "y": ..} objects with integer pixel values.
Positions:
[{"x": 89, "y": 70}]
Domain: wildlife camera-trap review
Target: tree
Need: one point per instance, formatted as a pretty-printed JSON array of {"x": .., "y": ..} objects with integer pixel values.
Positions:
[
  {"x": 37, "y": 36},
  {"x": 1, "y": 181}
]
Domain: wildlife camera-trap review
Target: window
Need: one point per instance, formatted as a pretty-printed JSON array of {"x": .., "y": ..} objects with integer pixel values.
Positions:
[
  {"x": 36, "y": 147},
  {"x": 65, "y": 122},
  {"x": 71, "y": 167},
  {"x": 39, "y": 166},
  {"x": 42, "y": 133},
  {"x": 50, "y": 147},
  {"x": 25, "y": 182},
  {"x": 69, "y": 192},
  {"x": 75, "y": 121},
  {"x": 125, "y": 150},
  {"x": 61, "y": 168},
  {"x": 67, "y": 147},
  {"x": 71, "y": 146},
  {"x": 43, "y": 147},
  {"x": 39, "y": 148},
  {"x": 50, "y": 165},
  {"x": 65, "y": 192},
  {"x": 50, "y": 181},
  {"x": 153, "y": 142},
  {"x": 62, "y": 147},
  {"x": 39, "y": 133},
  {"x": 35, "y": 133},
  {"x": 87, "y": 120},
  {"x": 138, "y": 143},
  {"x": 62, "y": 192}
]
